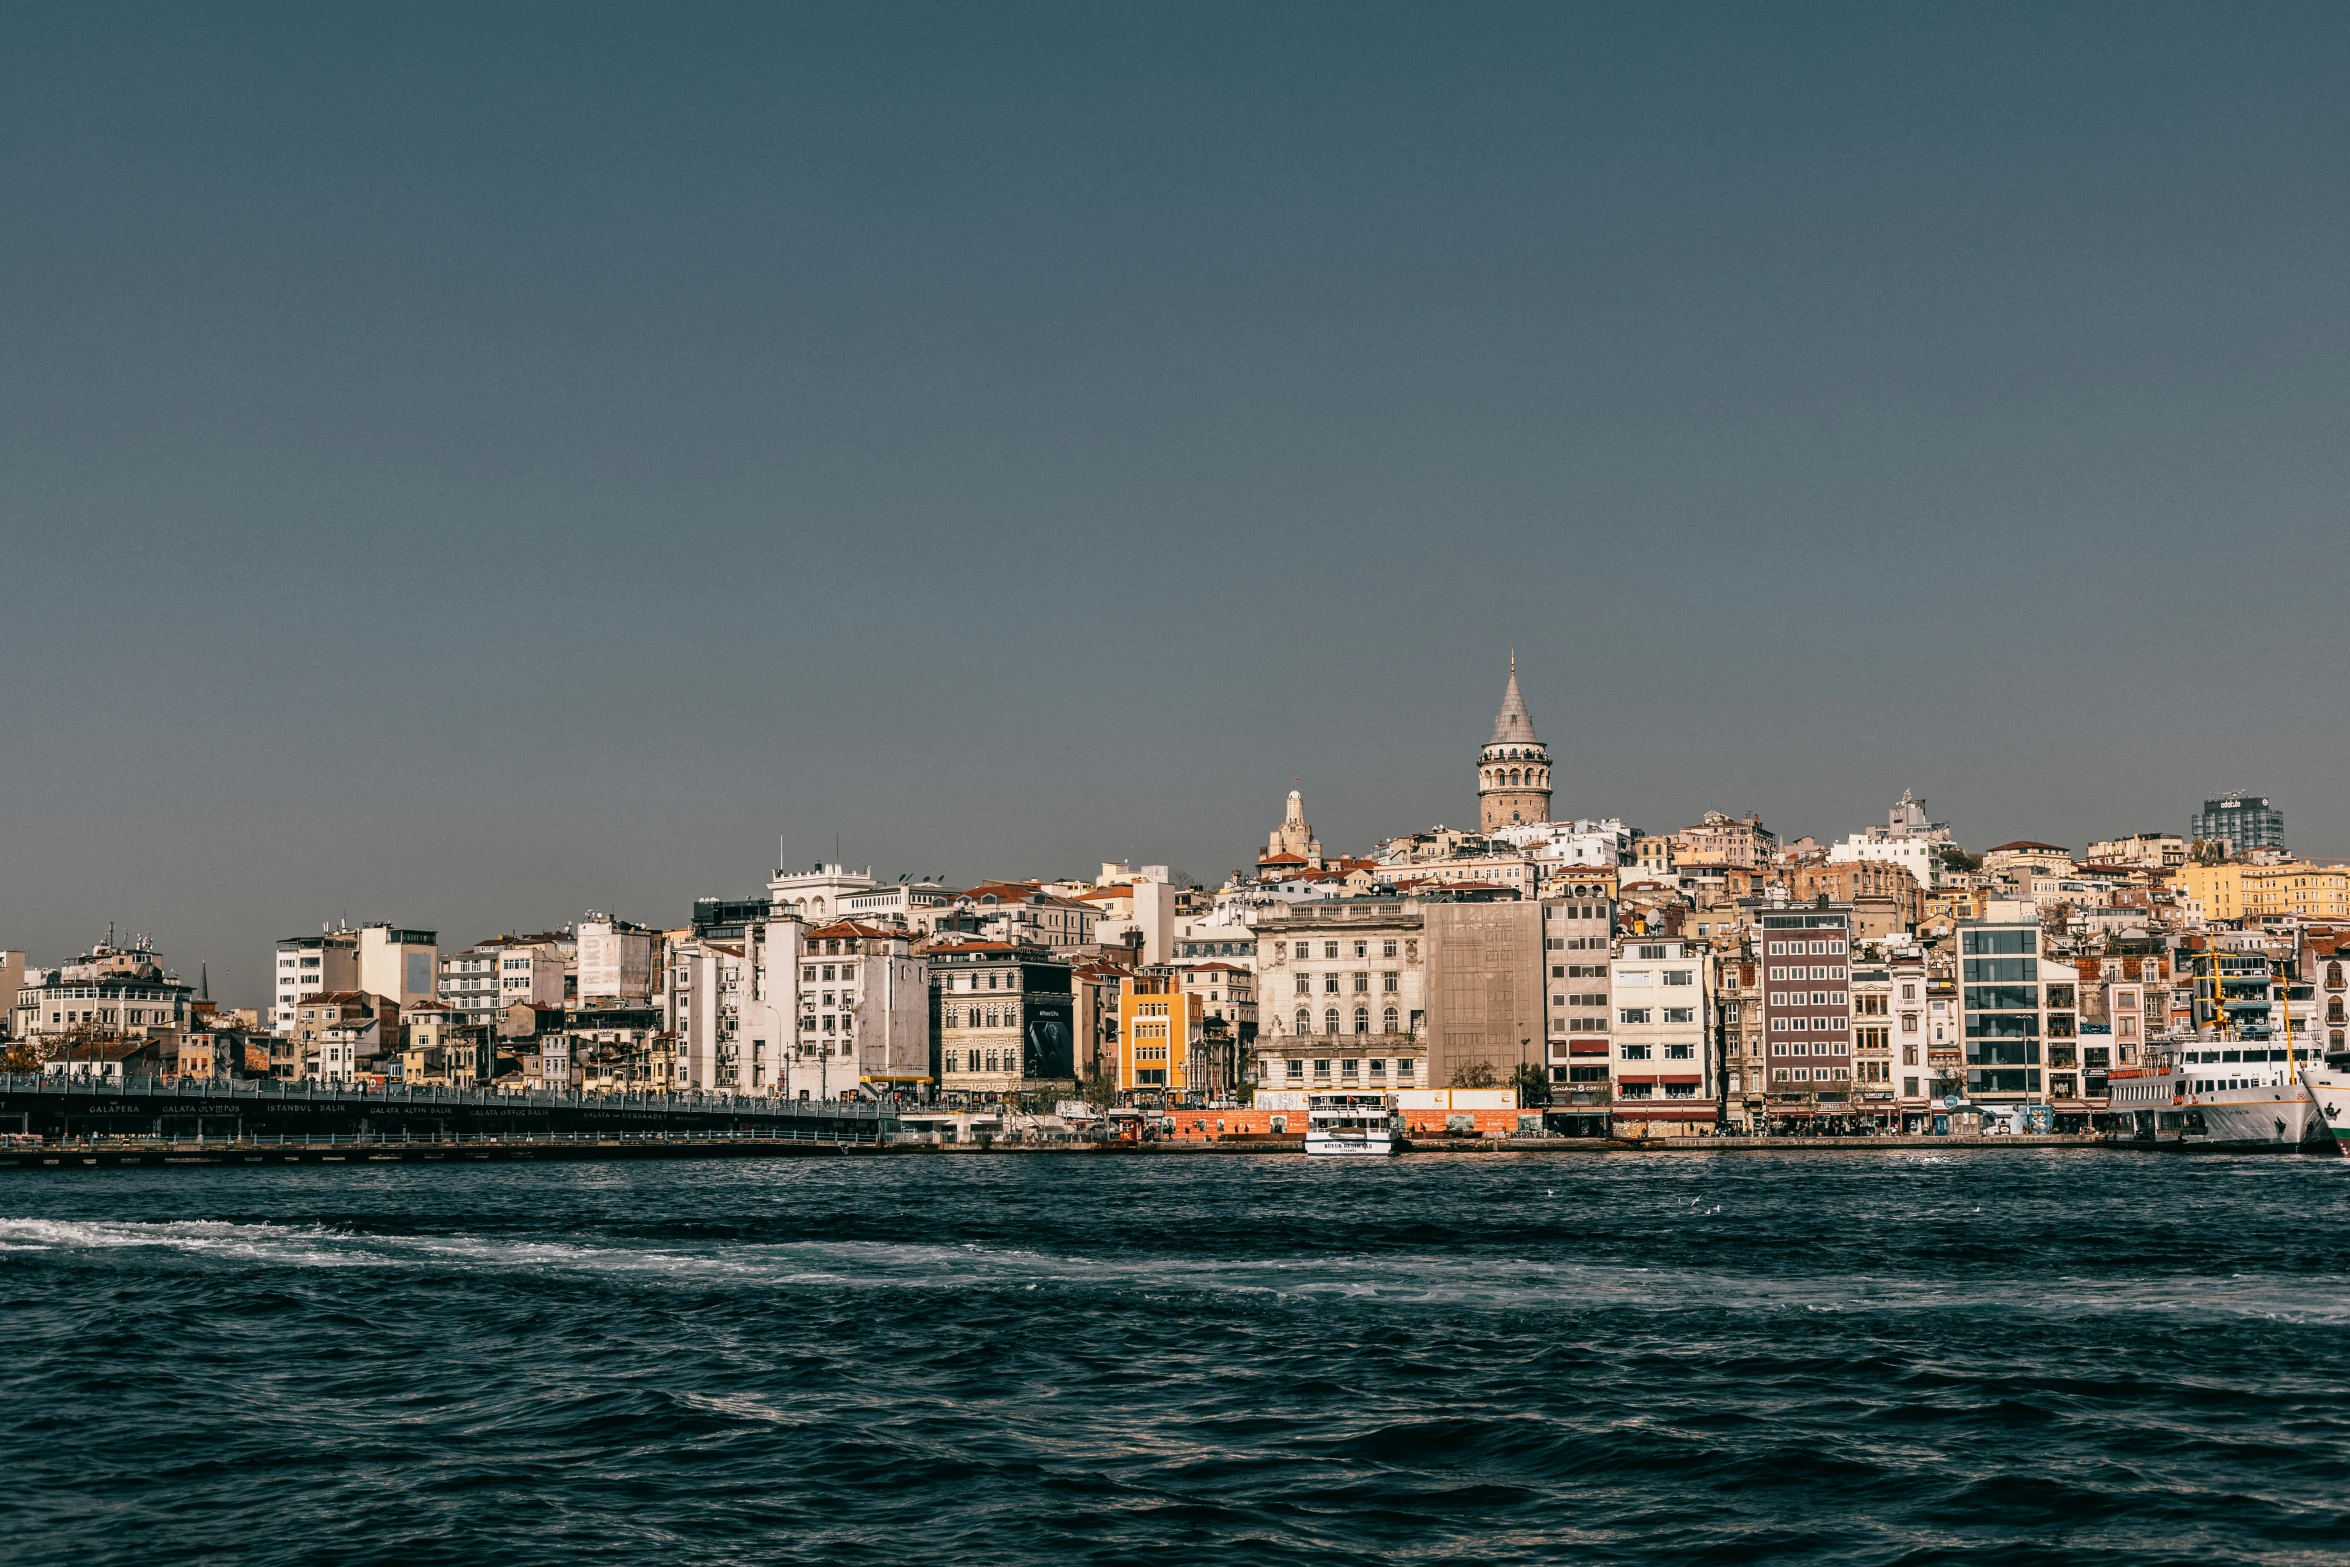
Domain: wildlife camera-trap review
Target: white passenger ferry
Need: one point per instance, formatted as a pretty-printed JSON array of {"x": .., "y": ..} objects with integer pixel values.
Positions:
[
  {"x": 2224, "y": 1094},
  {"x": 1353, "y": 1126},
  {"x": 2330, "y": 1087}
]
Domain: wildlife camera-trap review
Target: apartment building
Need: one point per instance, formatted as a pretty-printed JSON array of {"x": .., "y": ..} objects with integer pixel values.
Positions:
[
  {"x": 863, "y": 1003},
  {"x": 1663, "y": 1062},
  {"x": 310, "y": 966},
  {"x": 1578, "y": 925},
  {"x": 1806, "y": 961},
  {"x": 1005, "y": 1019}
]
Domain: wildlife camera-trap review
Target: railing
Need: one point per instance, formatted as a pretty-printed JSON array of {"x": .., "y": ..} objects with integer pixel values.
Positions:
[
  {"x": 190, "y": 1143},
  {"x": 280, "y": 1090}
]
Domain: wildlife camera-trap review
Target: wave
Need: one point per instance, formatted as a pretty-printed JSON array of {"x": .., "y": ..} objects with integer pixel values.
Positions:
[{"x": 1453, "y": 1281}]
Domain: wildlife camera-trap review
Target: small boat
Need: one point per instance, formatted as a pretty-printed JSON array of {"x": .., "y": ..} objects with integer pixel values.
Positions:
[{"x": 1352, "y": 1126}]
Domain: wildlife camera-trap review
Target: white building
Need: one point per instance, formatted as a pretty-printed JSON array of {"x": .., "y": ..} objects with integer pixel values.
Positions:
[
  {"x": 615, "y": 960},
  {"x": 857, "y": 1004},
  {"x": 818, "y": 895},
  {"x": 311, "y": 966},
  {"x": 486, "y": 978},
  {"x": 1564, "y": 845},
  {"x": 1578, "y": 922},
  {"x": 398, "y": 963},
  {"x": 1907, "y": 839},
  {"x": 1663, "y": 1057}
]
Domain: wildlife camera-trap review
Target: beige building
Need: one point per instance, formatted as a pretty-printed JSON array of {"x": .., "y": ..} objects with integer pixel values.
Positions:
[
  {"x": 1721, "y": 839},
  {"x": 1484, "y": 989},
  {"x": 1341, "y": 988},
  {"x": 2252, "y": 892},
  {"x": 1005, "y": 1019},
  {"x": 1513, "y": 771}
]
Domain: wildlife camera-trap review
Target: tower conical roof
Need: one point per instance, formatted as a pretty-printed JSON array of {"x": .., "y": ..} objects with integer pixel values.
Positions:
[{"x": 1513, "y": 725}]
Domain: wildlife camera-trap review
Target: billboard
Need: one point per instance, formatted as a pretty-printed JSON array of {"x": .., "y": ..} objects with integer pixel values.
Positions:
[{"x": 1048, "y": 1047}]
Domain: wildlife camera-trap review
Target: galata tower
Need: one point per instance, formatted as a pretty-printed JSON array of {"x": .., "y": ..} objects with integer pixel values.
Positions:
[{"x": 1513, "y": 771}]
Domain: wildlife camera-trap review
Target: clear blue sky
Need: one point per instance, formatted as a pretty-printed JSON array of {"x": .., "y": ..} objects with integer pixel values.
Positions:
[{"x": 462, "y": 465}]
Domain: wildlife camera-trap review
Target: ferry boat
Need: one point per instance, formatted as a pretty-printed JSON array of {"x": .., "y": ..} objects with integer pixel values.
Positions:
[
  {"x": 2225, "y": 1095},
  {"x": 2329, "y": 1086},
  {"x": 1352, "y": 1126}
]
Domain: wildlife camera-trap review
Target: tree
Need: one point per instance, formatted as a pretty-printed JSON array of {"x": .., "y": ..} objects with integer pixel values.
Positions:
[
  {"x": 1533, "y": 1087},
  {"x": 1475, "y": 1074}
]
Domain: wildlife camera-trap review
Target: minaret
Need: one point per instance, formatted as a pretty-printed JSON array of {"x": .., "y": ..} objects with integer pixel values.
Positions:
[{"x": 1513, "y": 771}]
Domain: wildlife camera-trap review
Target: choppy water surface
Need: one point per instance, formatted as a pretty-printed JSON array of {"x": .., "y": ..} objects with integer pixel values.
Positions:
[{"x": 1823, "y": 1357}]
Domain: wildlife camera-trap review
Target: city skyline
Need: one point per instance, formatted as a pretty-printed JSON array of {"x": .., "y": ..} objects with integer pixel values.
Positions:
[
  {"x": 462, "y": 472},
  {"x": 232, "y": 974}
]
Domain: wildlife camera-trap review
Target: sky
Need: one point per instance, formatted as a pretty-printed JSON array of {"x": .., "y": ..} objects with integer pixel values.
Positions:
[{"x": 467, "y": 465}]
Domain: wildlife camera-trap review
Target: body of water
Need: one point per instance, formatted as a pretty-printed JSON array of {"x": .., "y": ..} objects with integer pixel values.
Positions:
[{"x": 1998, "y": 1357}]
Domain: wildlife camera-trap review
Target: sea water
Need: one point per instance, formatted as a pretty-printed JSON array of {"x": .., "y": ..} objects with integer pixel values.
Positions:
[{"x": 1808, "y": 1356}]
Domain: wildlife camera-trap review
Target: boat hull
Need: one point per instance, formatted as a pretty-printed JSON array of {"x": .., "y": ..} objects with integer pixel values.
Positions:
[
  {"x": 2331, "y": 1091},
  {"x": 2254, "y": 1119},
  {"x": 1322, "y": 1145}
]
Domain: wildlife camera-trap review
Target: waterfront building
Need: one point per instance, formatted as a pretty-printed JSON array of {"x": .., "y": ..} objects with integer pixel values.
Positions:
[
  {"x": 1738, "y": 1010},
  {"x": 707, "y": 979},
  {"x": 1663, "y": 1061},
  {"x": 1484, "y": 990},
  {"x": 863, "y": 1004},
  {"x": 1891, "y": 1076},
  {"x": 2019, "y": 1009},
  {"x": 2243, "y": 822},
  {"x": 1805, "y": 955},
  {"x": 1341, "y": 990},
  {"x": 310, "y": 966},
  {"x": 1513, "y": 769},
  {"x": 1005, "y": 1014},
  {"x": 1161, "y": 1040},
  {"x": 1578, "y": 922}
]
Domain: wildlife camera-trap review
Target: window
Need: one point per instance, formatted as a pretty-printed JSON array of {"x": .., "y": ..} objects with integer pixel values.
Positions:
[
  {"x": 1297, "y": 1071},
  {"x": 1305, "y": 984},
  {"x": 1680, "y": 976},
  {"x": 1305, "y": 1021},
  {"x": 1322, "y": 1068},
  {"x": 1389, "y": 981},
  {"x": 1362, "y": 984},
  {"x": 1362, "y": 1020},
  {"x": 1680, "y": 1052},
  {"x": 1387, "y": 1019},
  {"x": 1633, "y": 1015},
  {"x": 1350, "y": 1066},
  {"x": 1387, "y": 949},
  {"x": 1362, "y": 949},
  {"x": 1403, "y": 1066},
  {"x": 1680, "y": 1014},
  {"x": 1330, "y": 984},
  {"x": 1330, "y": 1021},
  {"x": 1635, "y": 1052},
  {"x": 1329, "y": 949}
]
